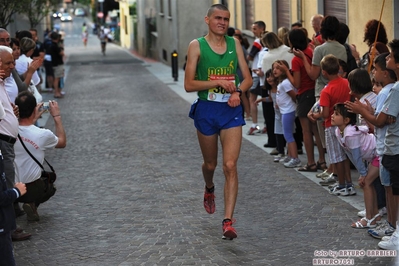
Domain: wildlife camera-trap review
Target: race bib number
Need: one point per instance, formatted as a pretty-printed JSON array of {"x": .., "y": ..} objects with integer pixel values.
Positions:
[{"x": 218, "y": 94}]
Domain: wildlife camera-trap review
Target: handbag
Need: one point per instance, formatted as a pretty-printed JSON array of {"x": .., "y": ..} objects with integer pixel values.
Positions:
[
  {"x": 48, "y": 177},
  {"x": 32, "y": 88}
]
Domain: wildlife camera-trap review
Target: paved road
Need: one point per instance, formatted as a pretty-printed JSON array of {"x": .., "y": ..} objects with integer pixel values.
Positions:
[{"x": 130, "y": 184}]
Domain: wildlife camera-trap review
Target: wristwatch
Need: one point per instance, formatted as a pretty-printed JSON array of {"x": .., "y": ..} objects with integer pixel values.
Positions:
[{"x": 239, "y": 91}]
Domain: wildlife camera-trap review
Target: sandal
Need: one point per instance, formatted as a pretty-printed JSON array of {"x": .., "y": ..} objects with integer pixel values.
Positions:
[
  {"x": 322, "y": 166},
  {"x": 308, "y": 168},
  {"x": 359, "y": 224}
]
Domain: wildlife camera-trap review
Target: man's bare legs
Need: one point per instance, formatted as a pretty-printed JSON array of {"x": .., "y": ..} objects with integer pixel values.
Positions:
[
  {"x": 308, "y": 141},
  {"x": 392, "y": 206},
  {"x": 231, "y": 144},
  {"x": 209, "y": 149},
  {"x": 319, "y": 144},
  {"x": 56, "y": 86}
]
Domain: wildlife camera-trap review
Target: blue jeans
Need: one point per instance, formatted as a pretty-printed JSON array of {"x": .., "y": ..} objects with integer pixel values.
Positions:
[
  {"x": 6, "y": 250},
  {"x": 380, "y": 192}
]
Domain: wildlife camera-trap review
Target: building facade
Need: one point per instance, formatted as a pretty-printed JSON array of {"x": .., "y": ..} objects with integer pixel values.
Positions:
[{"x": 164, "y": 26}]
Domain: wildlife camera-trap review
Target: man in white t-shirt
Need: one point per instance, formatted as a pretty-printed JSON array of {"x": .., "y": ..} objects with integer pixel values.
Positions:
[
  {"x": 258, "y": 28},
  {"x": 37, "y": 141}
]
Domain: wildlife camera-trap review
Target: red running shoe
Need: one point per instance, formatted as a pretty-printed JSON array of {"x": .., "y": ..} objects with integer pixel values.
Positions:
[
  {"x": 209, "y": 201},
  {"x": 228, "y": 230},
  {"x": 253, "y": 130}
]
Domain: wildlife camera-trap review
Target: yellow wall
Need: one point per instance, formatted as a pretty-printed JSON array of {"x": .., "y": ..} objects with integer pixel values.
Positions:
[
  {"x": 233, "y": 16},
  {"x": 309, "y": 9},
  {"x": 263, "y": 11},
  {"x": 294, "y": 11},
  {"x": 235, "y": 12},
  {"x": 359, "y": 12},
  {"x": 238, "y": 17},
  {"x": 125, "y": 38}
]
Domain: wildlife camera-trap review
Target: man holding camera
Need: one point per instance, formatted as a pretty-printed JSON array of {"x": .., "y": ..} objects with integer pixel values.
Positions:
[{"x": 36, "y": 140}]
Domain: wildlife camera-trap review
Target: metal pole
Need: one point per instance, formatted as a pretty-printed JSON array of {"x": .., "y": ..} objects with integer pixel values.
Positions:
[
  {"x": 101, "y": 10},
  {"x": 102, "y": 18}
]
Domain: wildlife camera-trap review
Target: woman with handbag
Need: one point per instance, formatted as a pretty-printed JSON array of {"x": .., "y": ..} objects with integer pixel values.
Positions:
[{"x": 30, "y": 151}]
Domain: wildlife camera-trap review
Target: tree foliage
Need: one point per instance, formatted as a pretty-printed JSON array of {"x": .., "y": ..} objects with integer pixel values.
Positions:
[
  {"x": 36, "y": 10},
  {"x": 133, "y": 9},
  {"x": 84, "y": 2},
  {"x": 8, "y": 8}
]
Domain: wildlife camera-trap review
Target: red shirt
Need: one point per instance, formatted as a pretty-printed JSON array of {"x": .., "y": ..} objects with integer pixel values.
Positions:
[
  {"x": 336, "y": 91},
  {"x": 297, "y": 66},
  {"x": 319, "y": 39}
]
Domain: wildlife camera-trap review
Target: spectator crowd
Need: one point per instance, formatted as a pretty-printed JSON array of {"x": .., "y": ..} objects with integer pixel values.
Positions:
[
  {"x": 317, "y": 91},
  {"x": 22, "y": 143}
]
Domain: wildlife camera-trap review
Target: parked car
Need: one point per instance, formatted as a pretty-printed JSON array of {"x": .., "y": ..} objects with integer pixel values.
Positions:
[
  {"x": 66, "y": 17},
  {"x": 80, "y": 12}
]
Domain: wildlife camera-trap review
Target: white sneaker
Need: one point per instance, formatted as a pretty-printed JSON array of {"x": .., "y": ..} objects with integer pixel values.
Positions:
[
  {"x": 382, "y": 212},
  {"x": 385, "y": 238},
  {"x": 278, "y": 157},
  {"x": 351, "y": 191},
  {"x": 383, "y": 229},
  {"x": 391, "y": 244},
  {"x": 362, "y": 213},
  {"x": 286, "y": 159},
  {"x": 330, "y": 187},
  {"x": 346, "y": 191},
  {"x": 294, "y": 162},
  {"x": 337, "y": 191}
]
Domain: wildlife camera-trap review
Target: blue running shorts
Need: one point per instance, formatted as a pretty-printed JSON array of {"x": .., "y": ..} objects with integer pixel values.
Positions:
[{"x": 211, "y": 117}]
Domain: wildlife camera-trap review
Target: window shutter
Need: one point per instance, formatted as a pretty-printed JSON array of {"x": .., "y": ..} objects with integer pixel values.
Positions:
[
  {"x": 283, "y": 13},
  {"x": 336, "y": 8}
]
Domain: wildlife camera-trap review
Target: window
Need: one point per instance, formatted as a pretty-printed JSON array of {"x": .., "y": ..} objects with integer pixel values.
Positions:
[
  {"x": 169, "y": 8},
  {"x": 283, "y": 13},
  {"x": 126, "y": 32},
  {"x": 161, "y": 8},
  {"x": 249, "y": 14}
]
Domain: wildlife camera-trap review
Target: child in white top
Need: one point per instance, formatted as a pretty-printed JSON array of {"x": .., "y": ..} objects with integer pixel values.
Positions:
[
  {"x": 271, "y": 85},
  {"x": 286, "y": 102},
  {"x": 359, "y": 146}
]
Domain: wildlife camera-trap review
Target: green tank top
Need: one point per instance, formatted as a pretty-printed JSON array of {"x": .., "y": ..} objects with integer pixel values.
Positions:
[{"x": 213, "y": 66}]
